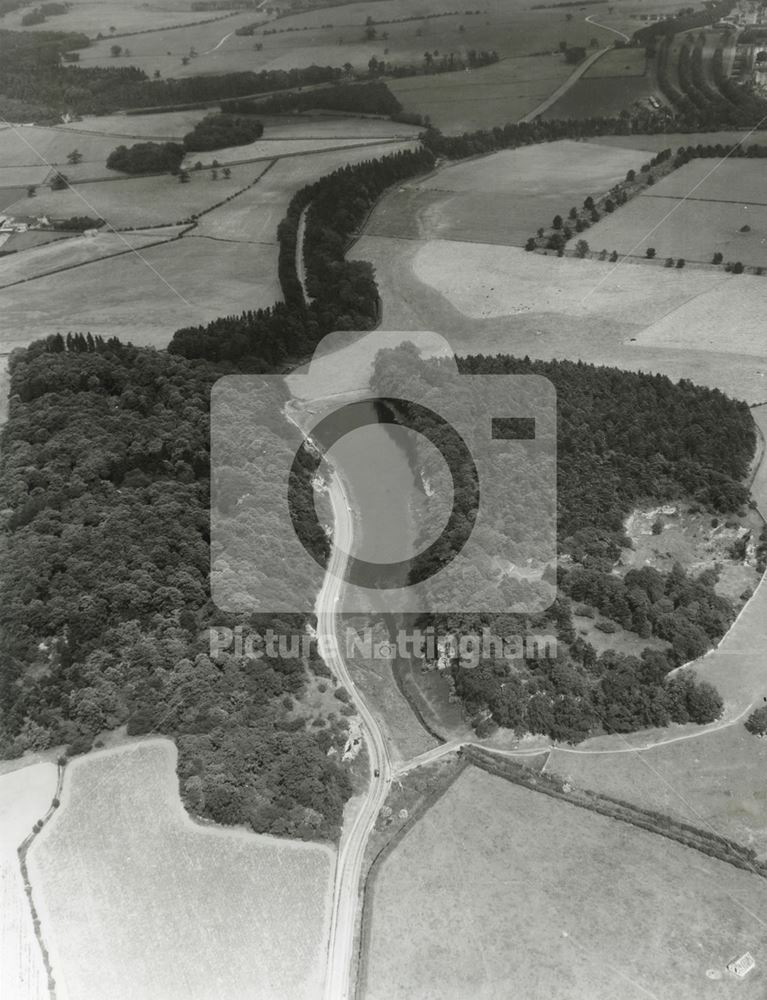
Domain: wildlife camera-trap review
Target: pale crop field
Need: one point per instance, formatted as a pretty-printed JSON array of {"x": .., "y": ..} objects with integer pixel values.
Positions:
[
  {"x": 673, "y": 140},
  {"x": 25, "y": 796},
  {"x": 533, "y": 909},
  {"x": 502, "y": 198},
  {"x": 167, "y": 125},
  {"x": 136, "y": 900},
  {"x": 739, "y": 181},
  {"x": 493, "y": 299},
  {"x": 92, "y": 18}
]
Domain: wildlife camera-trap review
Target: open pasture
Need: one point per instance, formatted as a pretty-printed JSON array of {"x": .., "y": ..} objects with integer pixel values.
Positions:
[
  {"x": 693, "y": 228},
  {"x": 138, "y": 201},
  {"x": 618, "y": 63},
  {"x": 25, "y": 796},
  {"x": 166, "y": 125},
  {"x": 136, "y": 900},
  {"x": 256, "y": 213},
  {"x": 144, "y": 297},
  {"x": 490, "y": 96},
  {"x": 501, "y": 198},
  {"x": 742, "y": 182},
  {"x": 92, "y": 18},
  {"x": 29, "y": 153},
  {"x": 553, "y": 900},
  {"x": 35, "y": 261},
  {"x": 714, "y": 781}
]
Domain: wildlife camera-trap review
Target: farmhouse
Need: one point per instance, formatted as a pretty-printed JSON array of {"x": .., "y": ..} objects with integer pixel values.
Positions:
[{"x": 742, "y": 966}]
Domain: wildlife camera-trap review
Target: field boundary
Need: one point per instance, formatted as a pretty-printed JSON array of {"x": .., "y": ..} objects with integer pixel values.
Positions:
[
  {"x": 22, "y": 851},
  {"x": 370, "y": 878},
  {"x": 711, "y": 844}
]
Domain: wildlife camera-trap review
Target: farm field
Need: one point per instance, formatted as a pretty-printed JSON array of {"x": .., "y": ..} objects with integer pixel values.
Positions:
[
  {"x": 591, "y": 96},
  {"x": 191, "y": 281},
  {"x": 673, "y": 140},
  {"x": 334, "y": 36},
  {"x": 28, "y": 153},
  {"x": 92, "y": 19},
  {"x": 501, "y": 198},
  {"x": 566, "y": 308},
  {"x": 490, "y": 96},
  {"x": 122, "y": 917},
  {"x": 267, "y": 149},
  {"x": 618, "y": 63},
  {"x": 25, "y": 795},
  {"x": 35, "y": 261},
  {"x": 138, "y": 201},
  {"x": 714, "y": 781},
  {"x": 742, "y": 181},
  {"x": 164, "y": 50},
  {"x": 256, "y": 213},
  {"x": 689, "y": 218},
  {"x": 535, "y": 906}
]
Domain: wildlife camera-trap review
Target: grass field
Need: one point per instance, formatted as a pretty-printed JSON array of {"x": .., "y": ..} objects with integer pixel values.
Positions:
[
  {"x": 618, "y": 63},
  {"x": 590, "y": 97},
  {"x": 32, "y": 262},
  {"x": 501, "y": 198},
  {"x": 673, "y": 140},
  {"x": 28, "y": 153},
  {"x": 25, "y": 795},
  {"x": 695, "y": 211},
  {"x": 93, "y": 18},
  {"x": 492, "y": 95},
  {"x": 267, "y": 149},
  {"x": 138, "y": 901},
  {"x": 256, "y": 213},
  {"x": 714, "y": 782},
  {"x": 500, "y": 891},
  {"x": 144, "y": 298},
  {"x": 138, "y": 201}
]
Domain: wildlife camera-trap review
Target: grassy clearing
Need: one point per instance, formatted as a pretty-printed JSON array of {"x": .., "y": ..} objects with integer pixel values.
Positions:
[
  {"x": 136, "y": 900},
  {"x": 741, "y": 181},
  {"x": 35, "y": 261},
  {"x": 715, "y": 782},
  {"x": 492, "y": 95},
  {"x": 138, "y": 201},
  {"x": 25, "y": 796},
  {"x": 502, "y": 198},
  {"x": 144, "y": 299},
  {"x": 535, "y": 907},
  {"x": 168, "y": 125}
]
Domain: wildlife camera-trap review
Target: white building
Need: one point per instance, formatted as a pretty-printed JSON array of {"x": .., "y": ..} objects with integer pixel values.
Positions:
[{"x": 741, "y": 967}]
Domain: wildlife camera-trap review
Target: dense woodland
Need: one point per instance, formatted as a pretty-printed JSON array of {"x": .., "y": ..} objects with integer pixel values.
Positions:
[
  {"x": 373, "y": 98},
  {"x": 104, "y": 595},
  {"x": 623, "y": 439}
]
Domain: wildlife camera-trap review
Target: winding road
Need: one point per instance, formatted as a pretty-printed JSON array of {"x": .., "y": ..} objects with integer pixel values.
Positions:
[{"x": 351, "y": 849}]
